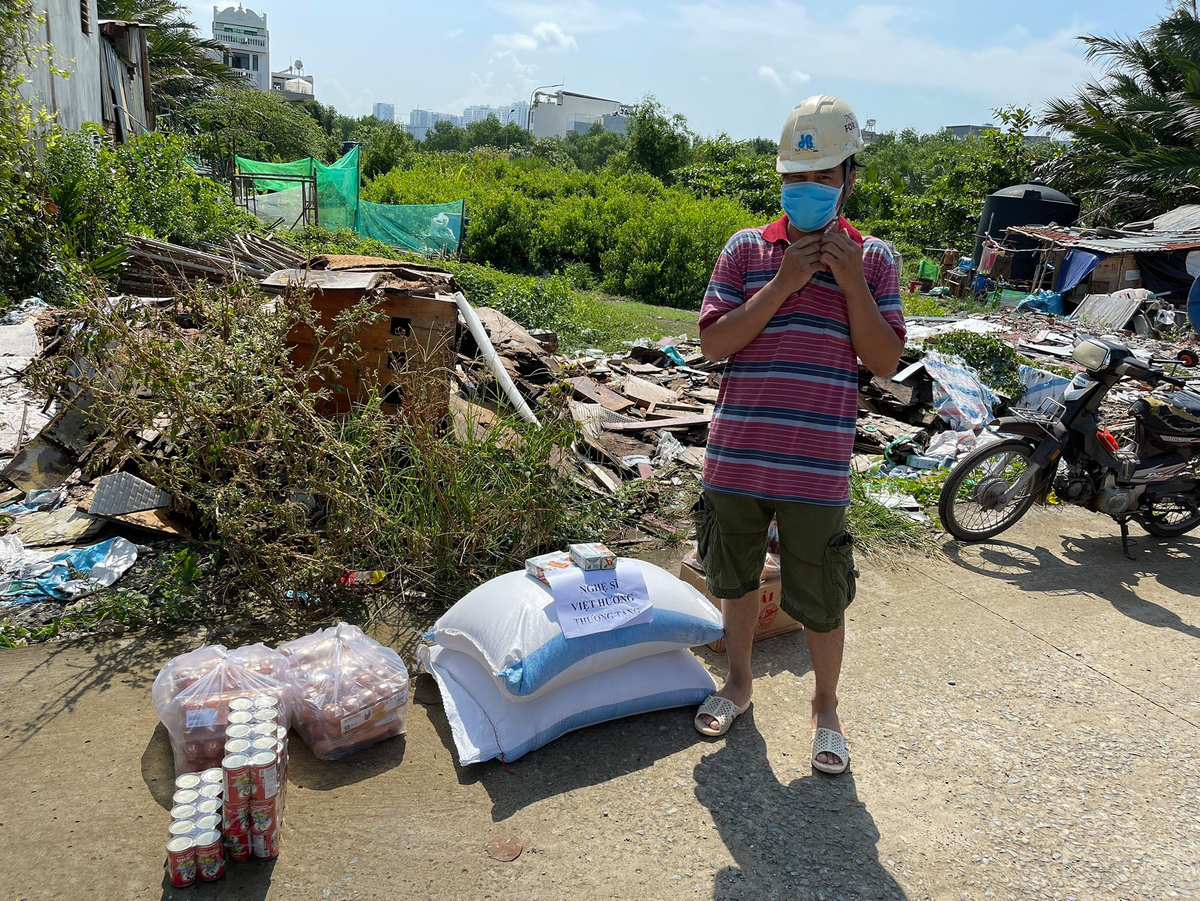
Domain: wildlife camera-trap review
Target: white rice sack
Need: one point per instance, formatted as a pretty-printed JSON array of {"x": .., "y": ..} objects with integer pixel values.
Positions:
[
  {"x": 487, "y": 723},
  {"x": 510, "y": 626}
]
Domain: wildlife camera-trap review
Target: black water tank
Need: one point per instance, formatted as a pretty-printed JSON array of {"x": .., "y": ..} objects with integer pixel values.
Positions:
[{"x": 1029, "y": 204}]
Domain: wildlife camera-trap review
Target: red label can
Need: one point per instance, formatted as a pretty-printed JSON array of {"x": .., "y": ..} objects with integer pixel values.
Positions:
[
  {"x": 181, "y": 861},
  {"x": 264, "y": 774},
  {"x": 188, "y": 780},
  {"x": 237, "y": 847},
  {"x": 208, "y": 822},
  {"x": 237, "y": 819},
  {"x": 264, "y": 816},
  {"x": 238, "y": 784},
  {"x": 266, "y": 846},
  {"x": 210, "y": 856},
  {"x": 209, "y": 806},
  {"x": 211, "y": 776},
  {"x": 210, "y": 791}
]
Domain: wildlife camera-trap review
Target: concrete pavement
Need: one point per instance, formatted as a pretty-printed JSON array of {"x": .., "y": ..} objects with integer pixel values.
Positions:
[{"x": 1022, "y": 715}]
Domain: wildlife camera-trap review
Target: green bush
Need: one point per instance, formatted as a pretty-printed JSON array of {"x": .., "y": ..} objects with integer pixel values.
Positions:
[
  {"x": 666, "y": 254},
  {"x": 145, "y": 186},
  {"x": 527, "y": 215}
]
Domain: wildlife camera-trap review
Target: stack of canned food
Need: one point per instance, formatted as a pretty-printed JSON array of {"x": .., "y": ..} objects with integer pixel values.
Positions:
[{"x": 234, "y": 811}]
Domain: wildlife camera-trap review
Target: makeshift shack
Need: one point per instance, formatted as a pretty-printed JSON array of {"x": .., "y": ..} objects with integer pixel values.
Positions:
[
  {"x": 1152, "y": 255},
  {"x": 406, "y": 353}
]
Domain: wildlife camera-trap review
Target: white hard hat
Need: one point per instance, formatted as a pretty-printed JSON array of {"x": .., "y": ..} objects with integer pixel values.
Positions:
[{"x": 819, "y": 133}]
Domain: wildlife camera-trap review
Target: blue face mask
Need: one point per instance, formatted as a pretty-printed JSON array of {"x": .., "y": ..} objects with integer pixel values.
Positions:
[{"x": 810, "y": 206}]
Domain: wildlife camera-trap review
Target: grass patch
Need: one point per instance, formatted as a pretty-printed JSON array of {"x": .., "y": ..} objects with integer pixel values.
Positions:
[
  {"x": 290, "y": 499},
  {"x": 880, "y": 531},
  {"x": 916, "y": 304},
  {"x": 605, "y": 322}
]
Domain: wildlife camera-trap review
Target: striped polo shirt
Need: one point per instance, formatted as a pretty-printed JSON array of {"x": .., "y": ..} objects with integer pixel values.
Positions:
[{"x": 783, "y": 426}]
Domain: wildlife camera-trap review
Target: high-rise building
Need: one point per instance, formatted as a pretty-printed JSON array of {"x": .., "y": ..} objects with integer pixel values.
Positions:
[
  {"x": 245, "y": 42},
  {"x": 421, "y": 120},
  {"x": 384, "y": 112},
  {"x": 517, "y": 113}
]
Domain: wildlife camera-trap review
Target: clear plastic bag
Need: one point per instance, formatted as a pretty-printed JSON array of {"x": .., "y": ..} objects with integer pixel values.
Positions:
[
  {"x": 192, "y": 693},
  {"x": 351, "y": 691}
]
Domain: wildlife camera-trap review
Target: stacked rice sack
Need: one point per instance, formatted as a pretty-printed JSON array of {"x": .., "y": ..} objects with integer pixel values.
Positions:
[{"x": 511, "y": 682}]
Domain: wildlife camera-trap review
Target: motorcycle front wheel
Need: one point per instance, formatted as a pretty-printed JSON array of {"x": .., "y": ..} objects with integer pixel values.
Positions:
[{"x": 972, "y": 505}]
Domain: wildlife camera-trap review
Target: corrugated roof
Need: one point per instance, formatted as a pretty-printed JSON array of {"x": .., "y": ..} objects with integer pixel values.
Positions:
[
  {"x": 1181, "y": 219},
  {"x": 1150, "y": 242}
]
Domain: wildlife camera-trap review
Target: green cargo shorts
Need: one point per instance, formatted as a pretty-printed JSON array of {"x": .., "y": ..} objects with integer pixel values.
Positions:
[{"x": 816, "y": 554}]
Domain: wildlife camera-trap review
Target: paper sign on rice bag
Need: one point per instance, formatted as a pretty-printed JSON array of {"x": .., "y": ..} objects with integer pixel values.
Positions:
[{"x": 600, "y": 600}]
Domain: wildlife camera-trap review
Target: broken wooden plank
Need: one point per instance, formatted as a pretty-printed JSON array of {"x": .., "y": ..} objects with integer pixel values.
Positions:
[
  {"x": 680, "y": 422},
  {"x": 593, "y": 391},
  {"x": 646, "y": 393}
]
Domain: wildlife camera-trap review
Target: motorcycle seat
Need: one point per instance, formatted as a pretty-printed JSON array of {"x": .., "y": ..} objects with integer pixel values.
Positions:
[{"x": 1178, "y": 413}]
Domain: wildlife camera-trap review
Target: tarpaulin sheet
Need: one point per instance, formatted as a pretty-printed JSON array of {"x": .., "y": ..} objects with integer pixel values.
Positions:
[
  {"x": 428, "y": 228},
  {"x": 1075, "y": 267},
  {"x": 960, "y": 397}
]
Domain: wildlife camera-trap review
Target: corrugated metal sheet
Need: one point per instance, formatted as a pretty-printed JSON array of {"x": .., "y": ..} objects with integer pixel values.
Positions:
[
  {"x": 1150, "y": 242},
  {"x": 1181, "y": 219},
  {"x": 1106, "y": 312}
]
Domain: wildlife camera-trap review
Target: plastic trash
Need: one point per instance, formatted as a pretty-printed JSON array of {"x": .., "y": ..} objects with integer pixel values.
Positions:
[
  {"x": 192, "y": 693},
  {"x": 1043, "y": 302},
  {"x": 63, "y": 575},
  {"x": 351, "y": 691}
]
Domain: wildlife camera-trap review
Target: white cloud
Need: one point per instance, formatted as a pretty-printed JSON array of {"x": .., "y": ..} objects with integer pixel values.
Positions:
[
  {"x": 575, "y": 16},
  {"x": 545, "y": 36},
  {"x": 454, "y": 33},
  {"x": 888, "y": 46},
  {"x": 766, "y": 73},
  {"x": 515, "y": 41},
  {"x": 505, "y": 80},
  {"x": 550, "y": 36}
]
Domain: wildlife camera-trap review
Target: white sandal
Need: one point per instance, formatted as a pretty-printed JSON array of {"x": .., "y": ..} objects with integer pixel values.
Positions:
[
  {"x": 723, "y": 710},
  {"x": 826, "y": 741}
]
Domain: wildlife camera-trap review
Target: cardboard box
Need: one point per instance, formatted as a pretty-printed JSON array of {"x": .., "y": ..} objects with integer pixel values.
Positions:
[
  {"x": 591, "y": 557},
  {"x": 539, "y": 567},
  {"x": 772, "y": 620}
]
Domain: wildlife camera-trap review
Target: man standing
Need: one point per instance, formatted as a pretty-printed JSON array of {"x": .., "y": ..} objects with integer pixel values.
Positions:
[{"x": 792, "y": 305}]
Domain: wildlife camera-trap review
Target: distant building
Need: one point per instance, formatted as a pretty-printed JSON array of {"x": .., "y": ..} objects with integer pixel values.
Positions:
[
  {"x": 974, "y": 131},
  {"x": 384, "y": 112},
  {"x": 247, "y": 45},
  {"x": 518, "y": 113},
  {"x": 565, "y": 112},
  {"x": 421, "y": 120},
  {"x": 107, "y": 66},
  {"x": 292, "y": 84}
]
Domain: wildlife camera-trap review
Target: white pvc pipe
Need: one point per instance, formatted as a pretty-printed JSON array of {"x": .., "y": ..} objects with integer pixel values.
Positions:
[{"x": 493, "y": 359}]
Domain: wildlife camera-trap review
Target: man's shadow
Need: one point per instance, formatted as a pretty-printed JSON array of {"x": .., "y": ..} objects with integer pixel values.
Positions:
[{"x": 792, "y": 832}]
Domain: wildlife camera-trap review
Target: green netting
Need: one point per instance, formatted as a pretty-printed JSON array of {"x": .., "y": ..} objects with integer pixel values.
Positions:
[{"x": 431, "y": 228}]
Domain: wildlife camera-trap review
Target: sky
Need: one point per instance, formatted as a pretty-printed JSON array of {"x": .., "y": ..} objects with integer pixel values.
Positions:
[{"x": 733, "y": 67}]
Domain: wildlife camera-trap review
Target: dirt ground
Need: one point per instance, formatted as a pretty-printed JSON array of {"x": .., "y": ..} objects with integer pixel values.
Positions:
[{"x": 1022, "y": 714}]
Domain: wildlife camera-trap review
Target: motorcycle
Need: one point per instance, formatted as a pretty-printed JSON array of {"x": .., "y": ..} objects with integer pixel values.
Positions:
[{"x": 1063, "y": 448}]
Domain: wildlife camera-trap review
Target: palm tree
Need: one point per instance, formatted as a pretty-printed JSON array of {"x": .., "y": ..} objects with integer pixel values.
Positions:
[
  {"x": 1136, "y": 131},
  {"x": 184, "y": 66}
]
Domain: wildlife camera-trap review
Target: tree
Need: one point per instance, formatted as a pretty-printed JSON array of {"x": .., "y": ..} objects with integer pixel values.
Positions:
[
  {"x": 384, "y": 145},
  {"x": 658, "y": 141},
  {"x": 1136, "y": 131},
  {"x": 258, "y": 125},
  {"x": 182, "y": 66},
  {"x": 592, "y": 149},
  {"x": 445, "y": 137}
]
